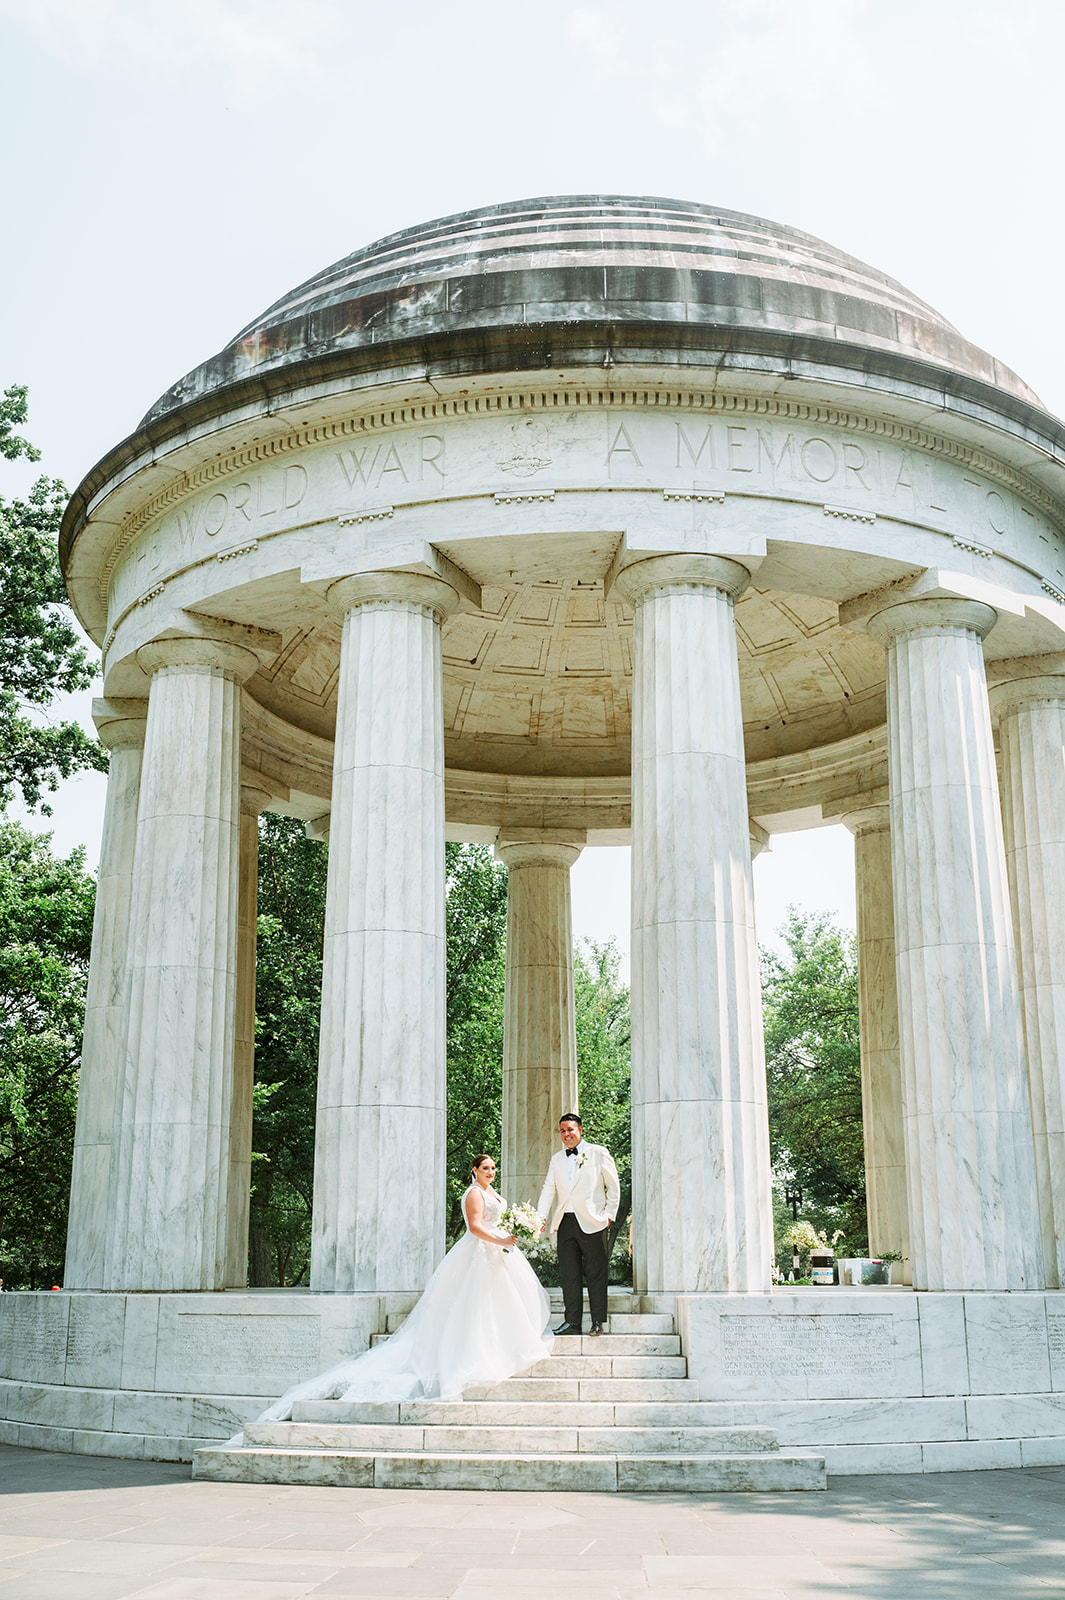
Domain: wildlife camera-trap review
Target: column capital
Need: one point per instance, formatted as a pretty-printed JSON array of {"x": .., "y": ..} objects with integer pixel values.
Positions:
[
  {"x": 939, "y": 615},
  {"x": 1016, "y": 693},
  {"x": 199, "y": 655},
  {"x": 759, "y": 837},
  {"x": 874, "y": 818},
  {"x": 394, "y": 588},
  {"x": 551, "y": 850},
  {"x": 120, "y": 723},
  {"x": 642, "y": 579},
  {"x": 253, "y": 801}
]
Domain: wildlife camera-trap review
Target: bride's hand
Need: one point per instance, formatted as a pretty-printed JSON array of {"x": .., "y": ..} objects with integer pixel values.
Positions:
[{"x": 509, "y": 1242}]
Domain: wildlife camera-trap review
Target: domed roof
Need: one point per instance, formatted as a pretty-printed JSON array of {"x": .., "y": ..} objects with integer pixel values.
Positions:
[{"x": 566, "y": 261}]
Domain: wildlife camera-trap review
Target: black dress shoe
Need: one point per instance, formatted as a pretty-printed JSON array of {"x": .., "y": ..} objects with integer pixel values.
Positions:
[
  {"x": 567, "y": 1328},
  {"x": 597, "y": 1329}
]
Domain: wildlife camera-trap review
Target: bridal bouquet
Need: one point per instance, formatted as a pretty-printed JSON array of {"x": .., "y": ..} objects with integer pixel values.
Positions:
[{"x": 523, "y": 1221}]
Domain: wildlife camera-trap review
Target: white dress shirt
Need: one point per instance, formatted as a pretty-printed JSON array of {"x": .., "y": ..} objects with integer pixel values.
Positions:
[{"x": 572, "y": 1170}]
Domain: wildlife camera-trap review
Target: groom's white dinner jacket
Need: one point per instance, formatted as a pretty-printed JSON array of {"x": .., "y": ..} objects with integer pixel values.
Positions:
[{"x": 588, "y": 1180}]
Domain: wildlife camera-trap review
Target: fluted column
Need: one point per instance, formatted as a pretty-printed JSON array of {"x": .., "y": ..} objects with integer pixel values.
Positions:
[
  {"x": 968, "y": 1133},
  {"x": 121, "y": 725},
  {"x": 380, "y": 1134},
  {"x": 1031, "y": 720},
  {"x": 238, "y": 1190},
  {"x": 171, "y": 1162},
  {"x": 539, "y": 1032},
  {"x": 878, "y": 1018},
  {"x": 698, "y": 1071}
]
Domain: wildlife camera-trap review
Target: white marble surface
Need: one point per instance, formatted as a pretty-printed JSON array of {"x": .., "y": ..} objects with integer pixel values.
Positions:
[
  {"x": 167, "y": 1202},
  {"x": 970, "y": 1164},
  {"x": 1031, "y": 722},
  {"x": 121, "y": 727},
  {"x": 878, "y": 1012},
  {"x": 380, "y": 1139},
  {"x": 539, "y": 1032},
  {"x": 197, "y": 1367},
  {"x": 238, "y": 1183},
  {"x": 701, "y": 1185}
]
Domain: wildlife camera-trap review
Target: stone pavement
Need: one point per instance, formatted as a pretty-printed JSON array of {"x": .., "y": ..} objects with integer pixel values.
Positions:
[{"x": 86, "y": 1528}]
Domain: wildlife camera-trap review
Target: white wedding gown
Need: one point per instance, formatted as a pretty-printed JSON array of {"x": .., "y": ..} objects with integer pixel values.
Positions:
[{"x": 482, "y": 1317}]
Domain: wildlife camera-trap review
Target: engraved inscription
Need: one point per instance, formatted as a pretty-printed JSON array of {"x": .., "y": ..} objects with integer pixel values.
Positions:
[
  {"x": 808, "y": 1347},
  {"x": 1056, "y": 1336},
  {"x": 87, "y": 1340},
  {"x": 38, "y": 1339},
  {"x": 1027, "y": 1342},
  {"x": 238, "y": 1345}
]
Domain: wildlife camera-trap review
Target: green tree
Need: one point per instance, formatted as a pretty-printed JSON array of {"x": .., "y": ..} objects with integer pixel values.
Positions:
[
  {"x": 476, "y": 889},
  {"x": 46, "y": 909},
  {"x": 288, "y": 999},
  {"x": 40, "y": 652},
  {"x": 604, "y": 1068},
  {"x": 813, "y": 1073}
]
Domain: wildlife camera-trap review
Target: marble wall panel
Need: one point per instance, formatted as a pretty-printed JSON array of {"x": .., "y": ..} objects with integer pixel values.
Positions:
[
  {"x": 1015, "y": 1416},
  {"x": 839, "y": 1346},
  {"x": 1043, "y": 1452},
  {"x": 1006, "y": 1339},
  {"x": 257, "y": 1348},
  {"x": 813, "y": 1423},
  {"x": 37, "y": 1342},
  {"x": 944, "y": 1358},
  {"x": 1055, "y": 1304},
  {"x": 95, "y": 1332},
  {"x": 140, "y": 1341},
  {"x": 971, "y": 1455},
  {"x": 864, "y": 1459}
]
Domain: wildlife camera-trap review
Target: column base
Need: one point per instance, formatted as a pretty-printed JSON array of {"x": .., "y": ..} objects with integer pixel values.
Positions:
[
  {"x": 886, "y": 1379},
  {"x": 156, "y": 1376},
  {"x": 876, "y": 1380}
]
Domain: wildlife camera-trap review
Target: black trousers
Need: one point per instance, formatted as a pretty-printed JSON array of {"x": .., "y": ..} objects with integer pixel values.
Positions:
[{"x": 582, "y": 1256}]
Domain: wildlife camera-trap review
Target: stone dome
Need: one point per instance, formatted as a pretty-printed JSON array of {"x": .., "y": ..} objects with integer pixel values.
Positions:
[{"x": 562, "y": 266}]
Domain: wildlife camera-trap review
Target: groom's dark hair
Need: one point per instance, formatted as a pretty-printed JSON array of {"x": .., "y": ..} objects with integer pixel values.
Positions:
[{"x": 570, "y": 1116}]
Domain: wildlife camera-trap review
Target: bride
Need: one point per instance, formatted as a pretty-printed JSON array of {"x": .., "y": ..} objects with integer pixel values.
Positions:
[{"x": 483, "y": 1317}]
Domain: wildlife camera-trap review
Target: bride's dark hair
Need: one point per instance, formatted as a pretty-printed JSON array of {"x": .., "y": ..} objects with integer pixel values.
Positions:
[{"x": 479, "y": 1161}]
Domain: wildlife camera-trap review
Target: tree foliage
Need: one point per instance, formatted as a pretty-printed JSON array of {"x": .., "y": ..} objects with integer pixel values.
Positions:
[
  {"x": 813, "y": 1073},
  {"x": 41, "y": 655},
  {"x": 46, "y": 910},
  {"x": 288, "y": 998},
  {"x": 476, "y": 888}
]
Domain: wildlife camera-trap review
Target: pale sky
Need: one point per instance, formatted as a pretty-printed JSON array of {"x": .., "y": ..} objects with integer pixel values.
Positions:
[{"x": 173, "y": 166}]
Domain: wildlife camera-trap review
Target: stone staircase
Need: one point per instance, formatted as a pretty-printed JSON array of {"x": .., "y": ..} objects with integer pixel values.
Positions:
[{"x": 616, "y": 1413}]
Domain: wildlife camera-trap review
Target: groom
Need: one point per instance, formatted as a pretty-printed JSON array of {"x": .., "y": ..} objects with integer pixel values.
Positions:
[{"x": 580, "y": 1200}]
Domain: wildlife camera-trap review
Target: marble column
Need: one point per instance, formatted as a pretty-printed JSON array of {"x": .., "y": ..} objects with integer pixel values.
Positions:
[
  {"x": 380, "y": 1136},
  {"x": 171, "y": 1162},
  {"x": 120, "y": 725},
  {"x": 238, "y": 1191},
  {"x": 1031, "y": 721},
  {"x": 702, "y": 1214},
  {"x": 539, "y": 1032},
  {"x": 968, "y": 1132},
  {"x": 878, "y": 1018}
]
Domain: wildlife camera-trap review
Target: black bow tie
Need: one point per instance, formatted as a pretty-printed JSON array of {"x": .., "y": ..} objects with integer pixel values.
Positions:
[{"x": 571, "y": 1152}]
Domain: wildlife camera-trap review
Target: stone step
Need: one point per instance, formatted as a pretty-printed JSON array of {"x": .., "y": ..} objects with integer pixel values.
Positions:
[
  {"x": 505, "y": 1441},
  {"x": 604, "y": 1344},
  {"x": 617, "y": 1344},
  {"x": 518, "y": 1413},
  {"x": 620, "y": 1473},
  {"x": 640, "y": 1322},
  {"x": 606, "y": 1366},
  {"x": 620, "y": 1300},
  {"x": 649, "y": 1390}
]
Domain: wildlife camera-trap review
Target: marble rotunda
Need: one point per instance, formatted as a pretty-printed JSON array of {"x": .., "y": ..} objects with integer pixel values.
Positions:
[{"x": 570, "y": 522}]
